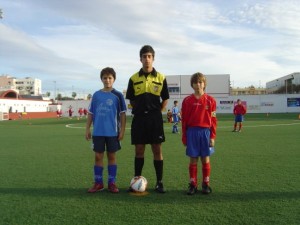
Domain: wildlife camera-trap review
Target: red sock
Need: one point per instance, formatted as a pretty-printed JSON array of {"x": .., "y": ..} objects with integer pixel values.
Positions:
[
  {"x": 193, "y": 174},
  {"x": 206, "y": 172},
  {"x": 235, "y": 124},
  {"x": 240, "y": 127}
]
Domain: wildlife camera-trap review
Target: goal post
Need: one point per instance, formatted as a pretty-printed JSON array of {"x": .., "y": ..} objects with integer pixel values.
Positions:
[{"x": 4, "y": 116}]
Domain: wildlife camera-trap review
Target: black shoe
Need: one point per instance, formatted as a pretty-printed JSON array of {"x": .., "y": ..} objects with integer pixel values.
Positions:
[
  {"x": 192, "y": 189},
  {"x": 206, "y": 189},
  {"x": 159, "y": 188},
  {"x": 130, "y": 189}
]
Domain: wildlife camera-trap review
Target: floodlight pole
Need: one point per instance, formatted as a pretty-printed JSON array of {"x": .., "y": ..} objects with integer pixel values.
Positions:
[{"x": 54, "y": 90}]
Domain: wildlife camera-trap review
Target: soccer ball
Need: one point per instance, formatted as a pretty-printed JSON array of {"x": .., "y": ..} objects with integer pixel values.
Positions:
[{"x": 139, "y": 184}]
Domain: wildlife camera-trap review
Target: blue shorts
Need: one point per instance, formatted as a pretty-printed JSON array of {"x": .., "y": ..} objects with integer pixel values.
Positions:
[
  {"x": 198, "y": 139},
  {"x": 110, "y": 144},
  {"x": 175, "y": 118},
  {"x": 239, "y": 118}
]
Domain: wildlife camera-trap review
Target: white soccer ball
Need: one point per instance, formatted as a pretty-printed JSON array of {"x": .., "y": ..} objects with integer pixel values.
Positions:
[{"x": 139, "y": 184}]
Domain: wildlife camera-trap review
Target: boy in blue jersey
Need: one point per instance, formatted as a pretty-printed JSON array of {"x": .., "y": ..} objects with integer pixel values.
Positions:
[
  {"x": 107, "y": 114},
  {"x": 175, "y": 114}
]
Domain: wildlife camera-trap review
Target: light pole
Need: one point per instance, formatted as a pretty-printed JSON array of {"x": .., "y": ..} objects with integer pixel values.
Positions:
[{"x": 54, "y": 90}]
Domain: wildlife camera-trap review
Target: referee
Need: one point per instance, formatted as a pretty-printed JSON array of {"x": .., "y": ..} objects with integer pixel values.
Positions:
[{"x": 148, "y": 94}]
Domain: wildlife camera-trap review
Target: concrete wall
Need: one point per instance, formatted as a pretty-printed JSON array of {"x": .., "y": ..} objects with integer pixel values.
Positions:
[
  {"x": 17, "y": 105},
  {"x": 254, "y": 103},
  {"x": 257, "y": 103}
]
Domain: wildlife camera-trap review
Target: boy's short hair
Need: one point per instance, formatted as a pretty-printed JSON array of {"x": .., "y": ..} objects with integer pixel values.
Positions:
[
  {"x": 175, "y": 102},
  {"x": 146, "y": 49},
  {"x": 198, "y": 77},
  {"x": 106, "y": 71}
]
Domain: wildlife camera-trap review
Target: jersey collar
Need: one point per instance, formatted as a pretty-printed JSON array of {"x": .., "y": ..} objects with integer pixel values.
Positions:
[{"x": 142, "y": 73}]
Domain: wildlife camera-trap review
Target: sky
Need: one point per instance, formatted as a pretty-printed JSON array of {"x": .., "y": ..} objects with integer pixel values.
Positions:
[{"x": 66, "y": 43}]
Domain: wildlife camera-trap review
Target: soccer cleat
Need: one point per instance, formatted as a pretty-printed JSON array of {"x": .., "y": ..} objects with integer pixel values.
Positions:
[
  {"x": 130, "y": 190},
  {"x": 240, "y": 131},
  {"x": 159, "y": 188},
  {"x": 113, "y": 188},
  {"x": 234, "y": 131},
  {"x": 206, "y": 189},
  {"x": 192, "y": 189},
  {"x": 97, "y": 187}
]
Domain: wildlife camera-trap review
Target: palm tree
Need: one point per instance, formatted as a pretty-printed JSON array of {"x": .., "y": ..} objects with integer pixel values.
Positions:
[
  {"x": 74, "y": 95},
  {"x": 89, "y": 97}
]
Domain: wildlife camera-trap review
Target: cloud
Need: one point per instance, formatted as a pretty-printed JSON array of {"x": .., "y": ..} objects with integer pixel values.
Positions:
[{"x": 71, "y": 41}]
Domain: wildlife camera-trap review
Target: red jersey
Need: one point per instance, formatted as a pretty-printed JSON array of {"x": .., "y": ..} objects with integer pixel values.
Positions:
[
  {"x": 239, "y": 110},
  {"x": 199, "y": 113}
]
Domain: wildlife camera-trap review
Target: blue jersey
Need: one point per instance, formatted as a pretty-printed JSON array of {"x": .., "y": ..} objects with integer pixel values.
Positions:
[
  {"x": 175, "y": 112},
  {"x": 105, "y": 108}
]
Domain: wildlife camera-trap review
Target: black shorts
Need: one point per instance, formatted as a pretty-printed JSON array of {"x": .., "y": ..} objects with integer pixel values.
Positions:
[
  {"x": 110, "y": 144},
  {"x": 147, "y": 128}
]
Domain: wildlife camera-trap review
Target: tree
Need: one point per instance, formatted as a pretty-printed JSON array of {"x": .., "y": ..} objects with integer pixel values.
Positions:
[
  {"x": 1, "y": 14},
  {"x": 89, "y": 97},
  {"x": 59, "y": 97},
  {"x": 74, "y": 94},
  {"x": 48, "y": 93}
]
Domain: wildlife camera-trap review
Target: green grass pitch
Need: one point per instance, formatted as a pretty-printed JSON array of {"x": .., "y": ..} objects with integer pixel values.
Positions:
[{"x": 46, "y": 167}]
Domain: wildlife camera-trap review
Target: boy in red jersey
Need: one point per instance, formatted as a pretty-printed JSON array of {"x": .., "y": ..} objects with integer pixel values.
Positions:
[
  {"x": 199, "y": 125},
  {"x": 239, "y": 111}
]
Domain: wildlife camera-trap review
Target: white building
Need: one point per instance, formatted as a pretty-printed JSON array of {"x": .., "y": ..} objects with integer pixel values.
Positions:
[
  {"x": 218, "y": 85},
  {"x": 12, "y": 102},
  {"x": 24, "y": 86},
  {"x": 286, "y": 81}
]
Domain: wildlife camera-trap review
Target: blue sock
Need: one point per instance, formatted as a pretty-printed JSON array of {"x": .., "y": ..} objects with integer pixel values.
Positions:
[
  {"x": 112, "y": 173},
  {"x": 98, "y": 171}
]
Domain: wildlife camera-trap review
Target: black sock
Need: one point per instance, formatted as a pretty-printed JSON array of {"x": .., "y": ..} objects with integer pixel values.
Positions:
[
  {"x": 159, "y": 166},
  {"x": 138, "y": 166}
]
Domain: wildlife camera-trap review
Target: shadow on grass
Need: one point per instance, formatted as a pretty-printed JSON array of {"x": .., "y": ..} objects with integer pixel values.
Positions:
[{"x": 178, "y": 196}]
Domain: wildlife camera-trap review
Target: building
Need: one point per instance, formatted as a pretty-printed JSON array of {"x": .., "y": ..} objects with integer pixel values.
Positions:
[
  {"x": 218, "y": 85},
  {"x": 24, "y": 86},
  {"x": 287, "y": 83},
  {"x": 248, "y": 91},
  {"x": 7, "y": 83}
]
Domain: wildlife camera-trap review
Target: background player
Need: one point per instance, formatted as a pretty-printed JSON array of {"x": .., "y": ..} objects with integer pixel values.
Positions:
[
  {"x": 175, "y": 115},
  {"x": 107, "y": 114},
  {"x": 239, "y": 111},
  {"x": 199, "y": 125}
]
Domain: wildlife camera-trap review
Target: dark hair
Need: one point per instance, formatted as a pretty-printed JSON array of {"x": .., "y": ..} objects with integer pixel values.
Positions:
[
  {"x": 175, "y": 102},
  {"x": 107, "y": 71},
  {"x": 146, "y": 49},
  {"x": 198, "y": 77}
]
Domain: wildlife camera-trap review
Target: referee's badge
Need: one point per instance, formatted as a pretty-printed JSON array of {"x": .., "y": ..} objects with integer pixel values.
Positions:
[{"x": 155, "y": 88}]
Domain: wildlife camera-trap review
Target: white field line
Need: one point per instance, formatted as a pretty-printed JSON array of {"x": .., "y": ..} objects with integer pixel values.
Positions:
[
  {"x": 266, "y": 125},
  {"x": 263, "y": 125}
]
